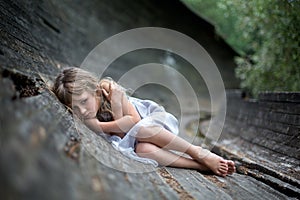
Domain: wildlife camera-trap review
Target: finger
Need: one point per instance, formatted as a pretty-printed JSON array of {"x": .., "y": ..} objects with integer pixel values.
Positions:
[
  {"x": 105, "y": 93},
  {"x": 109, "y": 86}
]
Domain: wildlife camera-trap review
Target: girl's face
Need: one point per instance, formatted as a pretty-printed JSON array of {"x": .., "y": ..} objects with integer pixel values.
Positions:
[{"x": 86, "y": 105}]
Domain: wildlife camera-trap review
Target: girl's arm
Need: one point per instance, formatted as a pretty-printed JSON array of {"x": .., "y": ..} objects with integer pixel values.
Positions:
[
  {"x": 119, "y": 126},
  {"x": 125, "y": 114}
]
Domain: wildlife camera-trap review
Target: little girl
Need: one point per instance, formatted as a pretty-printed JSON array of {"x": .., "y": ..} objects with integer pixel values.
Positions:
[{"x": 131, "y": 123}]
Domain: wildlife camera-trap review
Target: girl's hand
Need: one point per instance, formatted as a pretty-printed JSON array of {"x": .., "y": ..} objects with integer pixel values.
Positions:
[
  {"x": 120, "y": 104},
  {"x": 115, "y": 94},
  {"x": 124, "y": 113},
  {"x": 112, "y": 91}
]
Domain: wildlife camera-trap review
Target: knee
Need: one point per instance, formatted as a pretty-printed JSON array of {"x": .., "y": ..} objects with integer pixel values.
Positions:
[{"x": 144, "y": 147}]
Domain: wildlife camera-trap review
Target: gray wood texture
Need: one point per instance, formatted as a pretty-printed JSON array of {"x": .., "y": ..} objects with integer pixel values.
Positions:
[{"x": 45, "y": 154}]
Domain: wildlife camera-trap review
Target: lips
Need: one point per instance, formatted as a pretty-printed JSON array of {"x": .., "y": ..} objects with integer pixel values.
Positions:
[
  {"x": 86, "y": 116},
  {"x": 89, "y": 115}
]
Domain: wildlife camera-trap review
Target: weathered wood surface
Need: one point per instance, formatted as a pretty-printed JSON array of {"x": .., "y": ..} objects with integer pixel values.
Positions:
[
  {"x": 43, "y": 154},
  {"x": 263, "y": 136},
  {"x": 33, "y": 164}
]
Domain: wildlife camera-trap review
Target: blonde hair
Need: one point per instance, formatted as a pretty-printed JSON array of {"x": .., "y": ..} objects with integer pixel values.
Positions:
[{"x": 74, "y": 81}]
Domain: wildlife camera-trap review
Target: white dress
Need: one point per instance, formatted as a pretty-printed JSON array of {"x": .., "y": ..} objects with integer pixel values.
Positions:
[{"x": 151, "y": 115}]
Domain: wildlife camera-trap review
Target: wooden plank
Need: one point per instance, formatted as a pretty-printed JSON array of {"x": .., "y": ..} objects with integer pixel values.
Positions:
[
  {"x": 197, "y": 185},
  {"x": 280, "y": 96},
  {"x": 280, "y": 107},
  {"x": 237, "y": 186},
  {"x": 271, "y": 167},
  {"x": 115, "y": 184},
  {"x": 32, "y": 146}
]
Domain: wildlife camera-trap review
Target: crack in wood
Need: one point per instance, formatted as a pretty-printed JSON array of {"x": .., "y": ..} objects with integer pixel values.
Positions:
[
  {"x": 174, "y": 184},
  {"x": 49, "y": 25},
  {"x": 270, "y": 180},
  {"x": 216, "y": 181},
  {"x": 284, "y": 184},
  {"x": 25, "y": 87},
  {"x": 72, "y": 148}
]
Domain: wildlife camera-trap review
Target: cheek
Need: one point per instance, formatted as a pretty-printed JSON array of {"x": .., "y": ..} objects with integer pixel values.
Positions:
[
  {"x": 93, "y": 105},
  {"x": 97, "y": 103}
]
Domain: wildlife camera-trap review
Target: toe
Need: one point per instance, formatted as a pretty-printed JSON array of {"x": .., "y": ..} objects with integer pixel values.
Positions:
[
  {"x": 230, "y": 162},
  {"x": 223, "y": 169},
  {"x": 220, "y": 173},
  {"x": 231, "y": 167}
]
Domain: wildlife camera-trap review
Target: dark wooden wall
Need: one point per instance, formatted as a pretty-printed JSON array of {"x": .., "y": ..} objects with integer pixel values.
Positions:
[{"x": 41, "y": 36}]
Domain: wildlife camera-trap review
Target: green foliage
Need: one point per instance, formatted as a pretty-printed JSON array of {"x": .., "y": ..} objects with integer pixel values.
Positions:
[{"x": 266, "y": 33}]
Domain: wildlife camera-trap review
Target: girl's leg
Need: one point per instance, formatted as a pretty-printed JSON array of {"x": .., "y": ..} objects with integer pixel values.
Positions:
[
  {"x": 165, "y": 139},
  {"x": 167, "y": 158}
]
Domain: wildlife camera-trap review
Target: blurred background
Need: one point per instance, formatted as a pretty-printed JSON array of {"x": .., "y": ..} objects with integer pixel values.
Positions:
[{"x": 265, "y": 34}]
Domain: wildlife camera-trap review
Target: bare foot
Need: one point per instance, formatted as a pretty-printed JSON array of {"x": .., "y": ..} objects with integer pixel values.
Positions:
[
  {"x": 231, "y": 167},
  {"x": 214, "y": 162}
]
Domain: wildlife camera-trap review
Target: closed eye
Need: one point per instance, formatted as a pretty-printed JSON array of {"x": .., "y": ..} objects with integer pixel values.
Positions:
[{"x": 83, "y": 101}]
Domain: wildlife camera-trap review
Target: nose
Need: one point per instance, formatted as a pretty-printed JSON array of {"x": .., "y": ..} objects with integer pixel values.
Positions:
[{"x": 82, "y": 110}]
